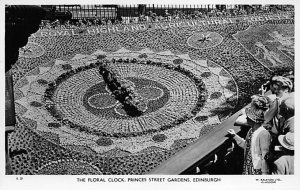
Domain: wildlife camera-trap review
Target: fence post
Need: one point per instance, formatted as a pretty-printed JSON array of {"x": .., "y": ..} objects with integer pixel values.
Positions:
[
  {"x": 130, "y": 11},
  {"x": 104, "y": 12},
  {"x": 75, "y": 12},
  {"x": 72, "y": 12},
  {"x": 82, "y": 16},
  {"x": 134, "y": 10},
  {"x": 90, "y": 11}
]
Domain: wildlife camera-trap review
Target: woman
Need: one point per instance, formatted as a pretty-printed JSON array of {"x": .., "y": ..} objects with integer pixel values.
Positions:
[{"x": 258, "y": 139}]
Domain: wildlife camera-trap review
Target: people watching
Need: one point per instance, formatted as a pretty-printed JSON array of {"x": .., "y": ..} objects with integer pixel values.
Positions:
[
  {"x": 151, "y": 16},
  {"x": 280, "y": 88},
  {"x": 279, "y": 119},
  {"x": 257, "y": 142}
]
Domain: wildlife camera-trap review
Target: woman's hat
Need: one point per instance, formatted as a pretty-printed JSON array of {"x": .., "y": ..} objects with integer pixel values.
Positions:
[
  {"x": 287, "y": 141},
  {"x": 259, "y": 105}
]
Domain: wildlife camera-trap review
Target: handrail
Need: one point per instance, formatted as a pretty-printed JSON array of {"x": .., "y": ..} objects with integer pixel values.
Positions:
[{"x": 199, "y": 150}]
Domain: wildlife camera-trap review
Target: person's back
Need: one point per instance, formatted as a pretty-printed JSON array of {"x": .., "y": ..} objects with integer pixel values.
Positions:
[{"x": 284, "y": 165}]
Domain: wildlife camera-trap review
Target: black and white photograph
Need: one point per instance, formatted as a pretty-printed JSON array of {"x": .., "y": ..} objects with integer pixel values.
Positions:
[{"x": 148, "y": 94}]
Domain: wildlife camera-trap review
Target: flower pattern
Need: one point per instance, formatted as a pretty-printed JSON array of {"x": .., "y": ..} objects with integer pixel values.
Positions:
[
  {"x": 204, "y": 40},
  {"x": 270, "y": 48},
  {"x": 159, "y": 137},
  {"x": 82, "y": 107}
]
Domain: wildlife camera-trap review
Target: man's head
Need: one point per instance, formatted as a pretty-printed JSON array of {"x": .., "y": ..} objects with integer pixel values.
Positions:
[
  {"x": 280, "y": 85},
  {"x": 287, "y": 106},
  {"x": 287, "y": 141}
]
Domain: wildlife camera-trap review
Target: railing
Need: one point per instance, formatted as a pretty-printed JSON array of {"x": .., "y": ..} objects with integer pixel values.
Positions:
[
  {"x": 89, "y": 11},
  {"x": 135, "y": 10}
]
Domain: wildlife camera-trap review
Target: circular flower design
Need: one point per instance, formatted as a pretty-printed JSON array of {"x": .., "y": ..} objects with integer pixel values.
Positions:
[
  {"x": 203, "y": 40},
  {"x": 31, "y": 50},
  {"x": 170, "y": 96},
  {"x": 80, "y": 111}
]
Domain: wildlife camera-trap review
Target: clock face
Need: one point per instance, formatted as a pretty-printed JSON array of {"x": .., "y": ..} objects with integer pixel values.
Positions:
[{"x": 84, "y": 116}]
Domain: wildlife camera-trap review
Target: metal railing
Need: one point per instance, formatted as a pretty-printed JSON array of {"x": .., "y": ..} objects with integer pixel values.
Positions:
[
  {"x": 88, "y": 11},
  {"x": 135, "y": 10}
]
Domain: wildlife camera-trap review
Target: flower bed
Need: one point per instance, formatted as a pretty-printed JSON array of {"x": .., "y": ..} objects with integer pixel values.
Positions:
[
  {"x": 166, "y": 121},
  {"x": 229, "y": 54}
]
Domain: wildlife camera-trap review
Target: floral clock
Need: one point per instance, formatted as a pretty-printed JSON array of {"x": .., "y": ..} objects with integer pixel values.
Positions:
[{"x": 71, "y": 101}]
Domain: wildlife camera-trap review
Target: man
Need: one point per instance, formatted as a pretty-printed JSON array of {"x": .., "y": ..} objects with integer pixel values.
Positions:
[
  {"x": 287, "y": 111},
  {"x": 281, "y": 88},
  {"x": 284, "y": 165},
  {"x": 284, "y": 125}
]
